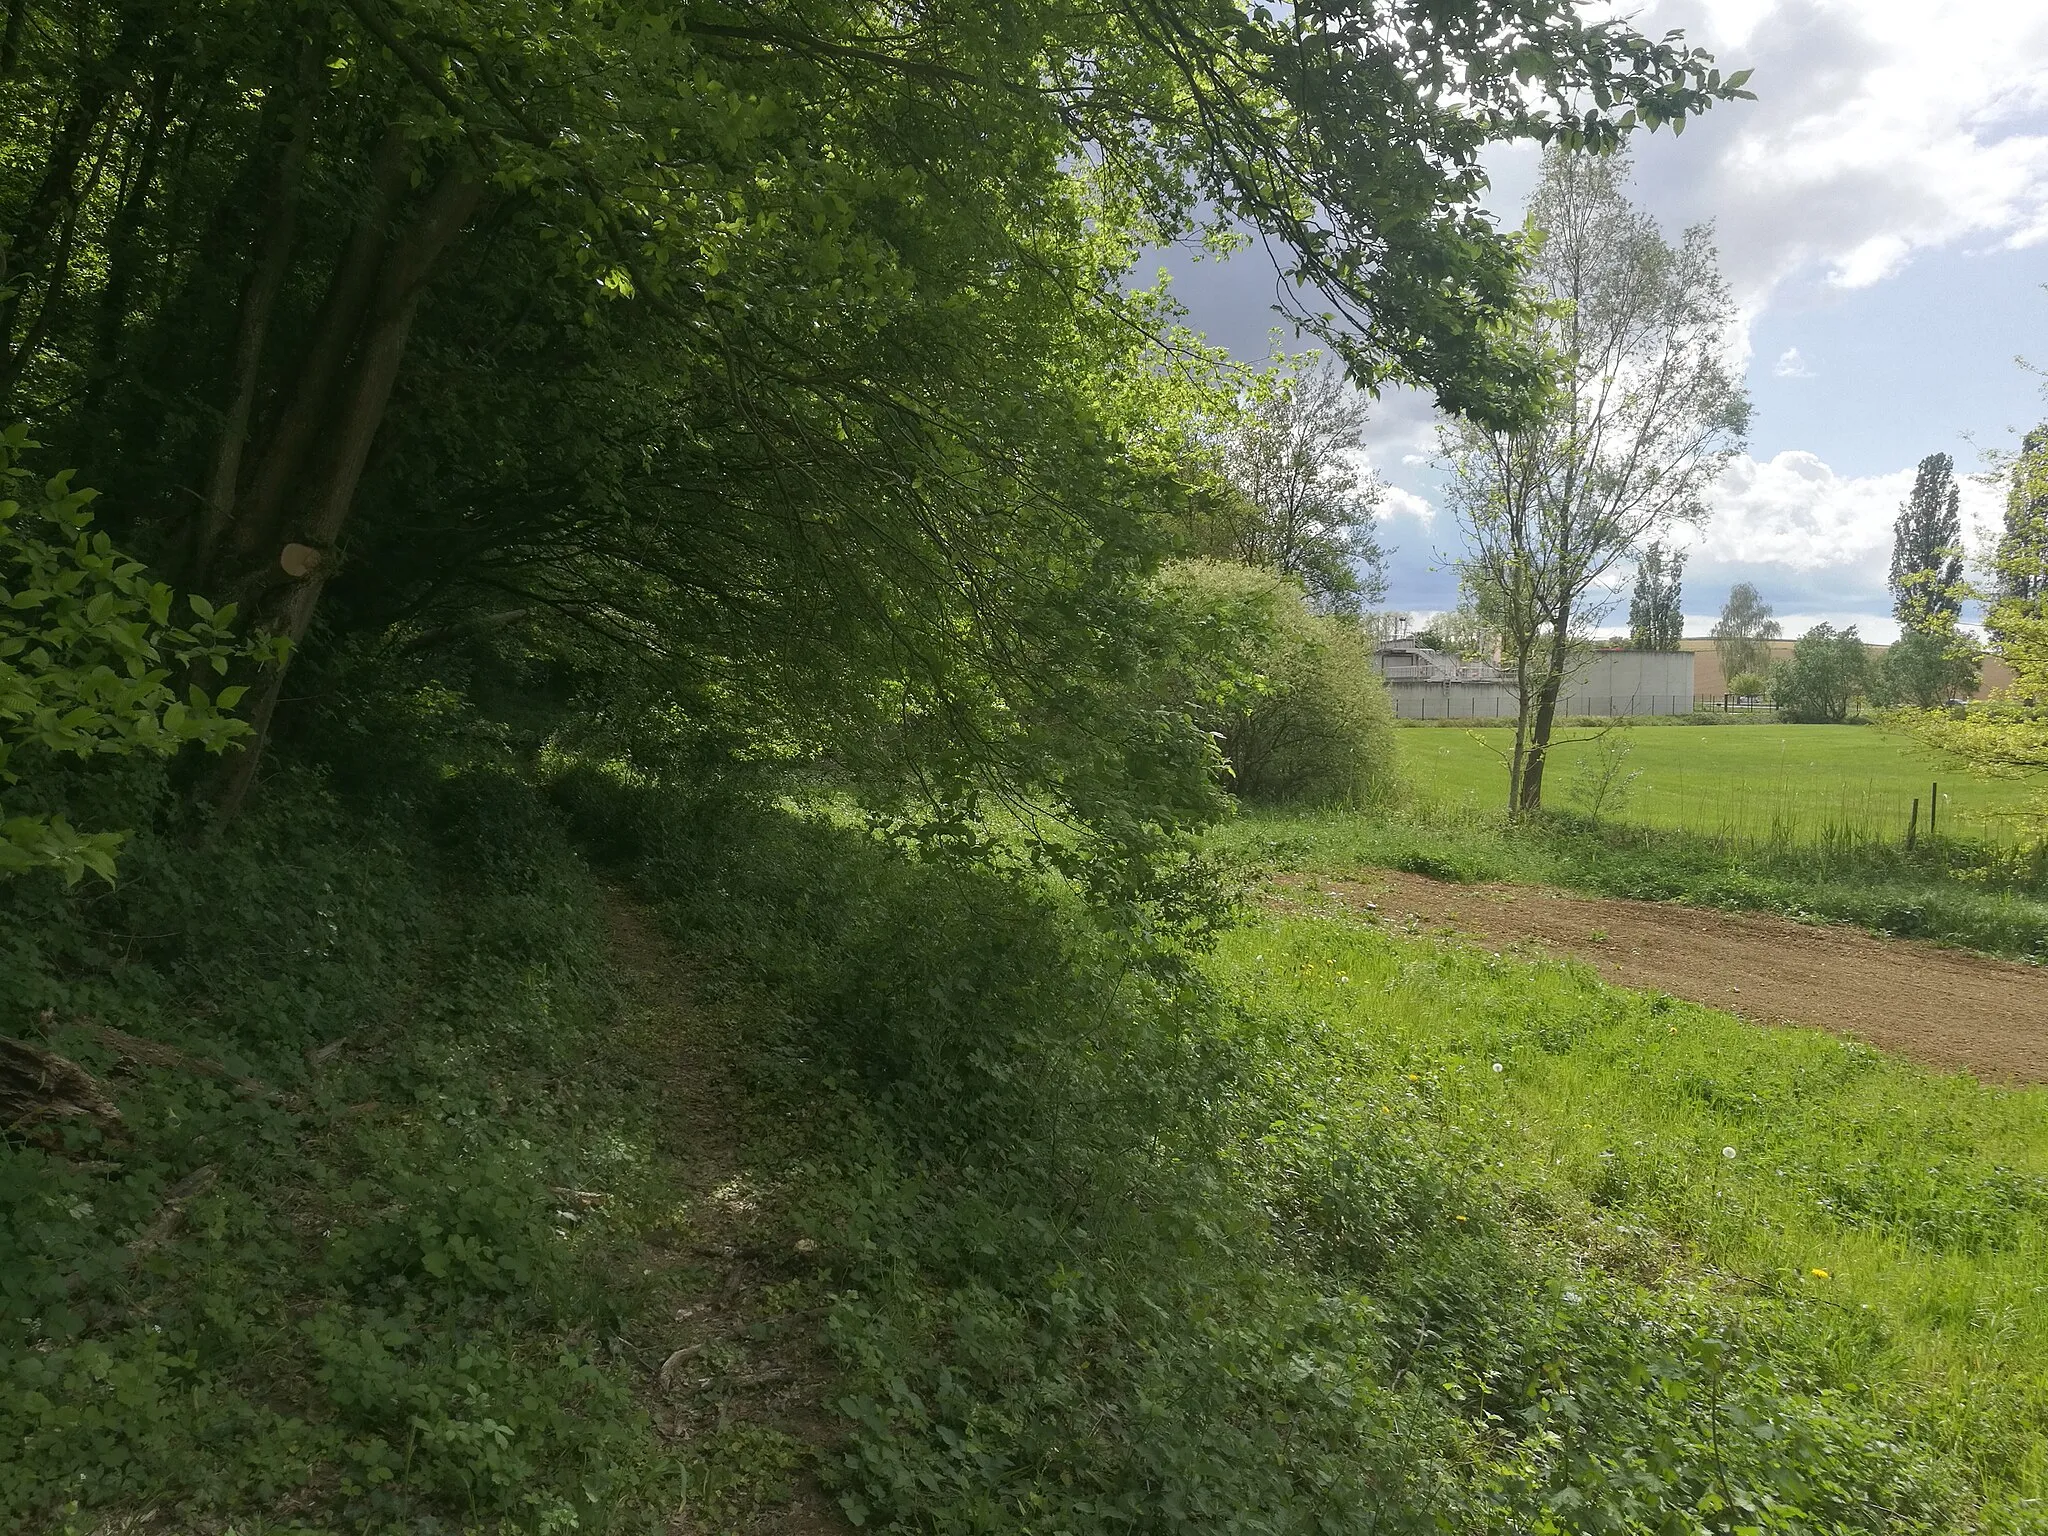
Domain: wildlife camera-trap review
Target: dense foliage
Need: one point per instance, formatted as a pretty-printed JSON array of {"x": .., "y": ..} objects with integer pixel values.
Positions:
[
  {"x": 92, "y": 663},
  {"x": 1827, "y": 672},
  {"x": 782, "y": 357},
  {"x": 1304, "y": 717}
]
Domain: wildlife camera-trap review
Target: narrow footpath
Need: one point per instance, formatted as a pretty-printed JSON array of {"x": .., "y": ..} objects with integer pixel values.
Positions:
[
  {"x": 1942, "y": 1007},
  {"x": 743, "y": 1379}
]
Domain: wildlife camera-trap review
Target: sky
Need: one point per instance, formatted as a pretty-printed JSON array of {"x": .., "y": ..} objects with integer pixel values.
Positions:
[{"x": 1882, "y": 216}]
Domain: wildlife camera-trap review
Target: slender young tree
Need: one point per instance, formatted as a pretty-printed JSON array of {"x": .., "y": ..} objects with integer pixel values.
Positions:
[
  {"x": 1644, "y": 414},
  {"x": 2022, "y": 558},
  {"x": 1927, "y": 549},
  {"x": 1298, "y": 500},
  {"x": 1656, "y": 614},
  {"x": 1744, "y": 631}
]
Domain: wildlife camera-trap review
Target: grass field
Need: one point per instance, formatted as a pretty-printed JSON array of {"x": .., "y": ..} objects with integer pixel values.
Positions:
[
  {"x": 1893, "y": 1220},
  {"x": 1778, "y": 783}
]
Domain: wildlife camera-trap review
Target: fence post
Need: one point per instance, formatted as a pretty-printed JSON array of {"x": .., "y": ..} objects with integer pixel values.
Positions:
[
  {"x": 1933, "y": 805},
  {"x": 1913, "y": 824}
]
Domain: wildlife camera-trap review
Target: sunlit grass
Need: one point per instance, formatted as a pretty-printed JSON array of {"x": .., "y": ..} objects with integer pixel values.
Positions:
[
  {"x": 1800, "y": 784},
  {"x": 1904, "y": 1213}
]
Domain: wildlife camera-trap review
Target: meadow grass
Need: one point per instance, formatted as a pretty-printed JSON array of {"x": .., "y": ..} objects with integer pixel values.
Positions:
[
  {"x": 1894, "y": 1217},
  {"x": 1781, "y": 783}
]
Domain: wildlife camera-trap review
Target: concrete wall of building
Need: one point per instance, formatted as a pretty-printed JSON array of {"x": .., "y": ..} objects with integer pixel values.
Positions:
[{"x": 1605, "y": 683}]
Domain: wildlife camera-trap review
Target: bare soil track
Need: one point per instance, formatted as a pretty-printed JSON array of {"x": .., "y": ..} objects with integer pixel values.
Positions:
[{"x": 1941, "y": 1007}]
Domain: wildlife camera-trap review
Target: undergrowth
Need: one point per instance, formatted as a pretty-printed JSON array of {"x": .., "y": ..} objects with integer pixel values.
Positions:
[
  {"x": 323, "y": 1274},
  {"x": 1103, "y": 1233},
  {"x": 1115, "y": 1249}
]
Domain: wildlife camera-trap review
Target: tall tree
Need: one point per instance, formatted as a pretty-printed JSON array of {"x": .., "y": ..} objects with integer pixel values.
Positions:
[
  {"x": 1645, "y": 412},
  {"x": 787, "y": 347},
  {"x": 2021, "y": 559},
  {"x": 1743, "y": 633},
  {"x": 1656, "y": 612},
  {"x": 1927, "y": 549},
  {"x": 1297, "y": 499}
]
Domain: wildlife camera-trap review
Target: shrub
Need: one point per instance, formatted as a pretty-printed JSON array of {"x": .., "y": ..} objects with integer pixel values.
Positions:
[
  {"x": 1926, "y": 668},
  {"x": 1827, "y": 671},
  {"x": 1290, "y": 695},
  {"x": 1749, "y": 685}
]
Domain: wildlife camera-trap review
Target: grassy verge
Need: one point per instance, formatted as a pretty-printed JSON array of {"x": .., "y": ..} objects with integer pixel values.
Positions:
[
  {"x": 1951, "y": 893},
  {"x": 1887, "y": 1223},
  {"x": 1122, "y": 1240}
]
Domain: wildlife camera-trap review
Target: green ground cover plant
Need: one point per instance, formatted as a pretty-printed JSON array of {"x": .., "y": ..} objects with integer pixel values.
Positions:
[
  {"x": 1124, "y": 1239},
  {"x": 326, "y": 1279},
  {"x": 1894, "y": 1219}
]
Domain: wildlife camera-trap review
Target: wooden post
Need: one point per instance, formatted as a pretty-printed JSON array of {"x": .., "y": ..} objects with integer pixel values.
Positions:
[
  {"x": 1933, "y": 806},
  {"x": 1913, "y": 824}
]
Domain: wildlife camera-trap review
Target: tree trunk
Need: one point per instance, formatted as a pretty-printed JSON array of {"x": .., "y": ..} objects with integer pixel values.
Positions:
[
  {"x": 53, "y": 206},
  {"x": 259, "y": 300},
  {"x": 290, "y": 587},
  {"x": 1530, "y": 795},
  {"x": 255, "y": 520},
  {"x": 10, "y": 41},
  {"x": 123, "y": 241}
]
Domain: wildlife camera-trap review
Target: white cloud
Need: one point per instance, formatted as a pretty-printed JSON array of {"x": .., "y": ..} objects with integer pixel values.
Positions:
[
  {"x": 1400, "y": 503},
  {"x": 1791, "y": 365},
  {"x": 1882, "y": 128},
  {"x": 1816, "y": 543}
]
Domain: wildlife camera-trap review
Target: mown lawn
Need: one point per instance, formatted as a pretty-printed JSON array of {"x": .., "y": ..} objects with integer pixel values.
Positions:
[
  {"x": 1796, "y": 782},
  {"x": 1895, "y": 1219}
]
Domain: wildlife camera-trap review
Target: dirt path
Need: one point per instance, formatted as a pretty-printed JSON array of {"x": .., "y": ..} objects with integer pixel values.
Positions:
[
  {"x": 1937, "y": 1006},
  {"x": 743, "y": 1376}
]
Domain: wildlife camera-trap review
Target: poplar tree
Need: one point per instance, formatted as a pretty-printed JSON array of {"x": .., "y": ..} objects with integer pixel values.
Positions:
[
  {"x": 1927, "y": 549},
  {"x": 1656, "y": 615},
  {"x": 2022, "y": 558}
]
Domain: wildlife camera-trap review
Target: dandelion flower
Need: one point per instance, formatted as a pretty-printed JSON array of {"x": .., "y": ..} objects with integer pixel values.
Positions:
[{"x": 1819, "y": 1274}]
